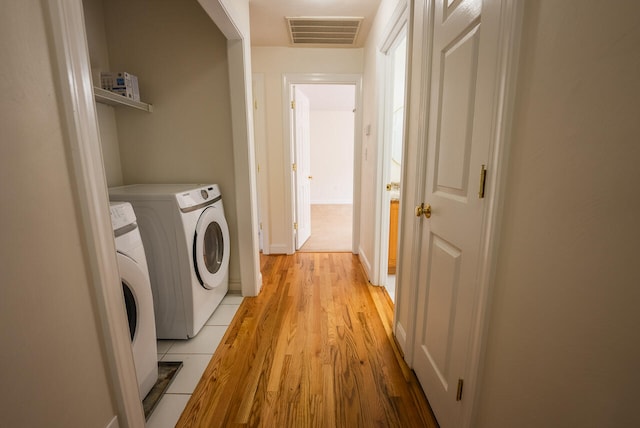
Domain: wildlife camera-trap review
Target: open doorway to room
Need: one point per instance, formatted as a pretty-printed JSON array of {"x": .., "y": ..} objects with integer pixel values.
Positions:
[
  {"x": 395, "y": 59},
  {"x": 323, "y": 125},
  {"x": 334, "y": 175}
]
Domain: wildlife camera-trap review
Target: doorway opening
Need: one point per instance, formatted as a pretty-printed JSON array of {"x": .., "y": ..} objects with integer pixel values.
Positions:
[
  {"x": 301, "y": 179},
  {"x": 322, "y": 132},
  {"x": 395, "y": 58}
]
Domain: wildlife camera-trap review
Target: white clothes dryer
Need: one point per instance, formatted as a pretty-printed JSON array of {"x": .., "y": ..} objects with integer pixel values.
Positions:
[
  {"x": 186, "y": 237},
  {"x": 136, "y": 288}
]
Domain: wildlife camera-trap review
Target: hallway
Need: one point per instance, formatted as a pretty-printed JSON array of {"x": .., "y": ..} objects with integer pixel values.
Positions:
[{"x": 310, "y": 350}]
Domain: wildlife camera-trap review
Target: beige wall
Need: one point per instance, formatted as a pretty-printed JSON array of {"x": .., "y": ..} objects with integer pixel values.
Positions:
[
  {"x": 274, "y": 63},
  {"x": 563, "y": 348},
  {"x": 99, "y": 57},
  {"x": 52, "y": 369},
  {"x": 180, "y": 58}
]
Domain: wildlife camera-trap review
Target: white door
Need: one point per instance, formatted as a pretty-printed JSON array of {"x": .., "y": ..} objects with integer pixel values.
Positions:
[
  {"x": 303, "y": 166},
  {"x": 464, "y": 70}
]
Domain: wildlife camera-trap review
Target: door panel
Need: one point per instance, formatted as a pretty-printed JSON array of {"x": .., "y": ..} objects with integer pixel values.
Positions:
[
  {"x": 457, "y": 88},
  {"x": 443, "y": 281}
]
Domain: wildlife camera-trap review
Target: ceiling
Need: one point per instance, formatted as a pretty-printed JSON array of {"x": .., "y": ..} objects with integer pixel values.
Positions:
[{"x": 269, "y": 26}]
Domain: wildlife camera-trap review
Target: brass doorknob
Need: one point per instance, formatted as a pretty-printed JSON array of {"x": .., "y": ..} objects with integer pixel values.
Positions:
[
  {"x": 423, "y": 209},
  {"x": 310, "y": 177}
]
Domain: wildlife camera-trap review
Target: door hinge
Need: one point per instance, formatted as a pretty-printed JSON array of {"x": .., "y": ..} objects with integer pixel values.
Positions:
[
  {"x": 255, "y": 104},
  {"x": 260, "y": 225},
  {"x": 293, "y": 105},
  {"x": 294, "y": 167},
  {"x": 459, "y": 392},
  {"x": 295, "y": 225},
  {"x": 483, "y": 181}
]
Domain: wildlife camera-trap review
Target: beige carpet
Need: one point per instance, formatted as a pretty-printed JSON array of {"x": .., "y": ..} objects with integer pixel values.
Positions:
[{"x": 330, "y": 229}]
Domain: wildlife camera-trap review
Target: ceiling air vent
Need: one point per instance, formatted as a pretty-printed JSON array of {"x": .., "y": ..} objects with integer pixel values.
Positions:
[{"x": 320, "y": 30}]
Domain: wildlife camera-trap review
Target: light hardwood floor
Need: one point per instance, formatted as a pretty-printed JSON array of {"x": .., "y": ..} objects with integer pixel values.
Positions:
[{"x": 312, "y": 350}]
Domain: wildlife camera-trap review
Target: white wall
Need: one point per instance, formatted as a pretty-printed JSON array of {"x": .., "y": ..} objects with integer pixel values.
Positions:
[
  {"x": 563, "y": 346},
  {"x": 180, "y": 58},
  {"x": 331, "y": 156},
  {"x": 273, "y": 63},
  {"x": 52, "y": 368}
]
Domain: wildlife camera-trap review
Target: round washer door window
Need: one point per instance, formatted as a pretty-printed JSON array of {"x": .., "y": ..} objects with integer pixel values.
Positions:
[
  {"x": 130, "y": 274},
  {"x": 211, "y": 247},
  {"x": 213, "y": 252},
  {"x": 132, "y": 309}
]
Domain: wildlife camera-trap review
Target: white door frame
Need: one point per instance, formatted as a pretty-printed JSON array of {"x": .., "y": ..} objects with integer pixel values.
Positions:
[
  {"x": 290, "y": 79},
  {"x": 397, "y": 22},
  {"x": 78, "y": 107},
  {"x": 510, "y": 32},
  {"x": 75, "y": 87},
  {"x": 413, "y": 172},
  {"x": 232, "y": 21},
  {"x": 262, "y": 171}
]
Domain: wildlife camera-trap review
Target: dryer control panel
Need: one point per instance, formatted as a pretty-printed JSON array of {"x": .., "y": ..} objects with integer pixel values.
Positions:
[{"x": 197, "y": 197}]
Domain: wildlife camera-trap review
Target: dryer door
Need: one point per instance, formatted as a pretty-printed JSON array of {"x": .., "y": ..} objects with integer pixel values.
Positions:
[{"x": 211, "y": 247}]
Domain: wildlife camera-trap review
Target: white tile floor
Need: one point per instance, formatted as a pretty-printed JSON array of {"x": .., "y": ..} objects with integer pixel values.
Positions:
[{"x": 195, "y": 355}]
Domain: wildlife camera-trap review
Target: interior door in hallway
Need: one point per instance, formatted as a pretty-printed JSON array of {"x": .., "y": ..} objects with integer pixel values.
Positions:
[
  {"x": 464, "y": 70},
  {"x": 302, "y": 156}
]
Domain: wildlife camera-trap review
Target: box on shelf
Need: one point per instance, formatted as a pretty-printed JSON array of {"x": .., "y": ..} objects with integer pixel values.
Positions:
[{"x": 120, "y": 82}]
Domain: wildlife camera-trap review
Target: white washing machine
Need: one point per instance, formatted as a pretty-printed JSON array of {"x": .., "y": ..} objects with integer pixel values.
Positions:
[
  {"x": 186, "y": 238},
  {"x": 136, "y": 287}
]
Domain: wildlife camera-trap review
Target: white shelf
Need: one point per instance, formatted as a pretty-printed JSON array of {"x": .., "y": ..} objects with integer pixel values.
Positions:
[{"x": 107, "y": 97}]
